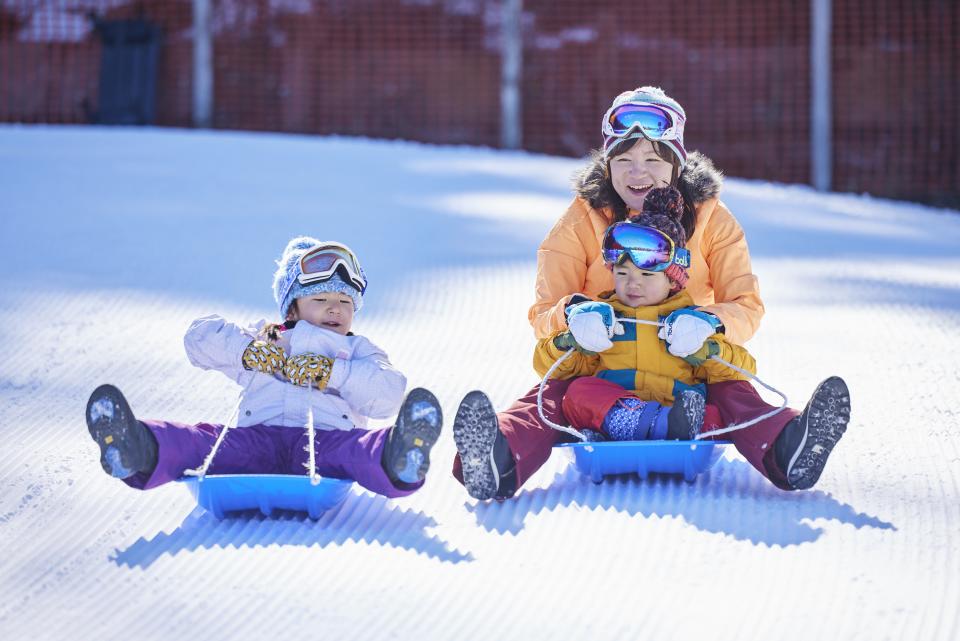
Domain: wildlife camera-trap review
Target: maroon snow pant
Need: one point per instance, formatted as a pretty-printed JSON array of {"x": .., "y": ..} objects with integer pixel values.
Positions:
[
  {"x": 531, "y": 441},
  {"x": 269, "y": 449}
]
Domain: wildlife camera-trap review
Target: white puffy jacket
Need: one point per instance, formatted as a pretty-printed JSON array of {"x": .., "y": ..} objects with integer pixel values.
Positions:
[{"x": 362, "y": 385}]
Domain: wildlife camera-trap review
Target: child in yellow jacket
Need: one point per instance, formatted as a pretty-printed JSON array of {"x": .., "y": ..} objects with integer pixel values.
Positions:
[{"x": 629, "y": 387}]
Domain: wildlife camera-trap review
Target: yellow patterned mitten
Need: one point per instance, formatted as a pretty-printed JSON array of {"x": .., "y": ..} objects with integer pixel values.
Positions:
[
  {"x": 309, "y": 369},
  {"x": 265, "y": 357}
]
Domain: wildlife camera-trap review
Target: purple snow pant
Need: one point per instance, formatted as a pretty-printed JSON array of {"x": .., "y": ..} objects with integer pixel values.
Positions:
[
  {"x": 269, "y": 449},
  {"x": 531, "y": 441}
]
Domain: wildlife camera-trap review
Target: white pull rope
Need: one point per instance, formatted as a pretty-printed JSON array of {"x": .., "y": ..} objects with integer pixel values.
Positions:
[
  {"x": 753, "y": 421},
  {"x": 543, "y": 417},
  {"x": 724, "y": 430},
  {"x": 202, "y": 470},
  {"x": 311, "y": 463}
]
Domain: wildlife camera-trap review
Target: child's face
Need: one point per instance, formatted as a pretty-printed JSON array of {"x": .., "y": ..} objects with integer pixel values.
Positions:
[
  {"x": 638, "y": 288},
  {"x": 638, "y": 170},
  {"x": 328, "y": 310}
]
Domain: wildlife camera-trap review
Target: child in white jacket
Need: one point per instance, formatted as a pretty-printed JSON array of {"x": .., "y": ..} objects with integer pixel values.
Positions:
[{"x": 310, "y": 362}]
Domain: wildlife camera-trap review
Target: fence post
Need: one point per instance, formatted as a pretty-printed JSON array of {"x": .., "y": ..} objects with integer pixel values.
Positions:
[
  {"x": 511, "y": 64},
  {"x": 821, "y": 144},
  {"x": 202, "y": 65}
]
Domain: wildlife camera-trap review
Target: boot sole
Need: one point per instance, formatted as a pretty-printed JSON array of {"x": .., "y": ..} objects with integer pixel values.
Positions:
[
  {"x": 475, "y": 432},
  {"x": 112, "y": 425},
  {"x": 825, "y": 420},
  {"x": 418, "y": 427}
]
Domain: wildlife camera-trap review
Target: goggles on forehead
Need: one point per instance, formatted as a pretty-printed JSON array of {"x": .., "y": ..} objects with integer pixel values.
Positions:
[
  {"x": 649, "y": 249},
  {"x": 321, "y": 263},
  {"x": 655, "y": 122}
]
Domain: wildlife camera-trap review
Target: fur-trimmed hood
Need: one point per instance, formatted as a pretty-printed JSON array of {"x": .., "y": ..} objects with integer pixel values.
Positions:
[{"x": 699, "y": 181}]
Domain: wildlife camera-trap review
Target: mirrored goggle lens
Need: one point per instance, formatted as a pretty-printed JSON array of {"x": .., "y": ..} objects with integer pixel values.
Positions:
[
  {"x": 323, "y": 262},
  {"x": 648, "y": 248},
  {"x": 326, "y": 261},
  {"x": 652, "y": 121}
]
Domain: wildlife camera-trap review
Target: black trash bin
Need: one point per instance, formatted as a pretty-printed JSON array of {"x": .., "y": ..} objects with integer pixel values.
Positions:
[{"x": 128, "y": 72}]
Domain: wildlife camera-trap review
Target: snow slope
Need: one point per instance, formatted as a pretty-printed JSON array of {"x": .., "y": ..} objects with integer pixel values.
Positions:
[{"x": 112, "y": 240}]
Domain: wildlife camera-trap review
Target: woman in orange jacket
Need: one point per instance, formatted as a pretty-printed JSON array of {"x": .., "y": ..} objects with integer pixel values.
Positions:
[{"x": 643, "y": 149}]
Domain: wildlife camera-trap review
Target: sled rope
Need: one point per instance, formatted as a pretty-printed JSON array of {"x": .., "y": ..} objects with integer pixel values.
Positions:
[
  {"x": 752, "y": 421},
  {"x": 563, "y": 428},
  {"x": 723, "y": 430},
  {"x": 311, "y": 463},
  {"x": 201, "y": 471}
]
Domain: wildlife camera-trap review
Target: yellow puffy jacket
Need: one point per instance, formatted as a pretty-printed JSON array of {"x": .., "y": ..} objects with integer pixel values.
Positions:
[{"x": 639, "y": 360}]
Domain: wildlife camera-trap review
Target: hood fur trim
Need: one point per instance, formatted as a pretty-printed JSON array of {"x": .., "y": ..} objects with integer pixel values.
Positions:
[{"x": 699, "y": 181}]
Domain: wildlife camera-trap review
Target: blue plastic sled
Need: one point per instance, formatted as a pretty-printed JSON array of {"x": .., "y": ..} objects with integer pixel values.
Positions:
[
  {"x": 643, "y": 458},
  {"x": 266, "y": 492}
]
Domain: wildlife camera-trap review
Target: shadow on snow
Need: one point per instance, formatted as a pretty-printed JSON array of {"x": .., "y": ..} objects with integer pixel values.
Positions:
[
  {"x": 731, "y": 499},
  {"x": 353, "y": 520}
]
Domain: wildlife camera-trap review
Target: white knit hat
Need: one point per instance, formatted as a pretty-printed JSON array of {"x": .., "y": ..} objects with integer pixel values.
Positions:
[
  {"x": 287, "y": 288},
  {"x": 651, "y": 96}
]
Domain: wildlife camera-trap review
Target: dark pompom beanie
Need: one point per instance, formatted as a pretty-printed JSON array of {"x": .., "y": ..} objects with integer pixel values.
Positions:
[{"x": 663, "y": 210}]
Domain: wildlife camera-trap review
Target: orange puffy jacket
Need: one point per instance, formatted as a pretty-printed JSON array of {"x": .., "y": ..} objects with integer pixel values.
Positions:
[{"x": 721, "y": 278}]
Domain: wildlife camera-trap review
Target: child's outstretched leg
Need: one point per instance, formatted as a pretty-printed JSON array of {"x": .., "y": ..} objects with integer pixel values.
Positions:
[
  {"x": 406, "y": 454},
  {"x": 379, "y": 460},
  {"x": 802, "y": 448},
  {"x": 126, "y": 445},
  {"x": 148, "y": 453}
]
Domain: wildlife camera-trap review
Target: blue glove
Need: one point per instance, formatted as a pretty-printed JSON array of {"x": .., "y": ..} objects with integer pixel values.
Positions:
[
  {"x": 592, "y": 325},
  {"x": 686, "y": 329}
]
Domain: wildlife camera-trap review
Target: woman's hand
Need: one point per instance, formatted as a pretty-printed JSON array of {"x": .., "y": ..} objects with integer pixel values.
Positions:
[
  {"x": 709, "y": 348},
  {"x": 685, "y": 330},
  {"x": 565, "y": 342}
]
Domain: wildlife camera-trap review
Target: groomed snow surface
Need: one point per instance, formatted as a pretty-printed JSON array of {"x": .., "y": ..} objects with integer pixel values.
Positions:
[{"x": 112, "y": 240}]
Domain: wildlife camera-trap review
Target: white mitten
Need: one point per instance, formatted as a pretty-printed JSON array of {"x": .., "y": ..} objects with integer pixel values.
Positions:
[
  {"x": 593, "y": 324},
  {"x": 685, "y": 331}
]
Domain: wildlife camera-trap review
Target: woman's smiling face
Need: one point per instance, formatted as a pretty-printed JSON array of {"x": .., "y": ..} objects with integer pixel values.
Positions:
[{"x": 638, "y": 170}]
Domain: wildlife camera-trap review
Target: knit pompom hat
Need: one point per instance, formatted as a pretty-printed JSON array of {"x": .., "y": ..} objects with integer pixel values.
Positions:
[
  {"x": 286, "y": 287},
  {"x": 663, "y": 210},
  {"x": 652, "y": 96}
]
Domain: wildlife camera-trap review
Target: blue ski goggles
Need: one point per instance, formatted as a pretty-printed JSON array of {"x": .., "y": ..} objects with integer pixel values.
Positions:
[
  {"x": 653, "y": 121},
  {"x": 649, "y": 248}
]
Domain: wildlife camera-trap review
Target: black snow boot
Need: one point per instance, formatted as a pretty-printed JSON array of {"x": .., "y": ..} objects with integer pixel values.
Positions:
[
  {"x": 406, "y": 455},
  {"x": 802, "y": 448},
  {"x": 489, "y": 470},
  {"x": 126, "y": 445},
  {"x": 685, "y": 419}
]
